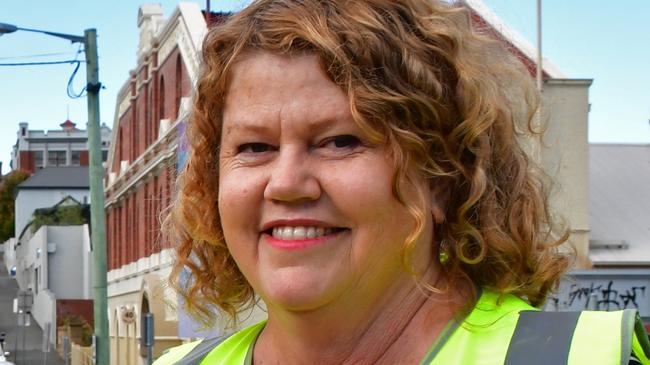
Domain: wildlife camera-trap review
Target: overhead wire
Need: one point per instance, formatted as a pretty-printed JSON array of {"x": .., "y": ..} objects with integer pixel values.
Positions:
[
  {"x": 38, "y": 55},
  {"x": 37, "y": 63},
  {"x": 70, "y": 88},
  {"x": 76, "y": 62}
]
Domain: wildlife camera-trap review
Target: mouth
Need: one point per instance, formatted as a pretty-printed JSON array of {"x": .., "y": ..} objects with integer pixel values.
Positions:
[{"x": 302, "y": 233}]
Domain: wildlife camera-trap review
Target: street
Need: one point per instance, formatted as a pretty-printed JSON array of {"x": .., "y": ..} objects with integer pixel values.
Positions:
[{"x": 29, "y": 339}]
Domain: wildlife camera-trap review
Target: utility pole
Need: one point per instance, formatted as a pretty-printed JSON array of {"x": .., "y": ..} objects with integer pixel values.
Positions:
[
  {"x": 539, "y": 46},
  {"x": 96, "y": 174},
  {"x": 97, "y": 218}
]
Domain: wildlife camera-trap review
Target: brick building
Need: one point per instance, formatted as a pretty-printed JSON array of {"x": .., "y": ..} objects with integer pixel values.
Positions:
[
  {"x": 142, "y": 162},
  {"x": 35, "y": 149},
  {"x": 141, "y": 169}
]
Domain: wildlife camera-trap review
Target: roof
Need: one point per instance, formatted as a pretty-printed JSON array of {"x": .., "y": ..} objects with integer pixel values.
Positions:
[
  {"x": 513, "y": 37},
  {"x": 619, "y": 204},
  {"x": 58, "y": 178}
]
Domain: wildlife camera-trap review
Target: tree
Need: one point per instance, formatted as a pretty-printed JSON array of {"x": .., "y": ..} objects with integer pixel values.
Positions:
[{"x": 7, "y": 200}]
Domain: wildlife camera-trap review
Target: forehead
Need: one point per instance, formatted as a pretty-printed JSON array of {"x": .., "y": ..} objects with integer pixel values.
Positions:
[{"x": 265, "y": 86}]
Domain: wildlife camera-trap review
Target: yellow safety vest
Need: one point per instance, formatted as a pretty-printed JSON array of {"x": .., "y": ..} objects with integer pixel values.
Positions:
[{"x": 499, "y": 330}]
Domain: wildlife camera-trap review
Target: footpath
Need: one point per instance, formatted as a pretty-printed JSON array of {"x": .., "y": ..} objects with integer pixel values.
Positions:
[{"x": 26, "y": 340}]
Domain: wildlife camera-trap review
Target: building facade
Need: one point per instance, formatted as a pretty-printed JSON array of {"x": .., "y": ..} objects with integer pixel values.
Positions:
[
  {"x": 36, "y": 149},
  {"x": 50, "y": 254},
  {"x": 141, "y": 170},
  {"x": 47, "y": 187}
]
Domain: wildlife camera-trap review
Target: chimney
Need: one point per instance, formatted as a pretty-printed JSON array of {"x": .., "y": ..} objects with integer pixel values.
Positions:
[
  {"x": 23, "y": 129},
  {"x": 68, "y": 126},
  {"x": 149, "y": 18}
]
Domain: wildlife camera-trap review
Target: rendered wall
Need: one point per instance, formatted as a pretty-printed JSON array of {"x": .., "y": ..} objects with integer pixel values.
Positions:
[
  {"x": 65, "y": 266},
  {"x": 565, "y": 156}
]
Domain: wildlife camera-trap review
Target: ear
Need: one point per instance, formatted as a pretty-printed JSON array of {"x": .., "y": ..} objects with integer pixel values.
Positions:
[{"x": 439, "y": 196}]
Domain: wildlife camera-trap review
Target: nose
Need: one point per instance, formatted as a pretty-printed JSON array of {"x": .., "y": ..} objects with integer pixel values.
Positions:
[{"x": 292, "y": 178}]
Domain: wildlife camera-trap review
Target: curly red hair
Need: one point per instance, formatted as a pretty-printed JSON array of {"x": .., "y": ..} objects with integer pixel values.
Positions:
[{"x": 452, "y": 105}]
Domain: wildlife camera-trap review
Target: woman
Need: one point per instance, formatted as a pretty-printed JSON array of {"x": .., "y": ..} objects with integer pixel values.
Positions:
[{"x": 356, "y": 165}]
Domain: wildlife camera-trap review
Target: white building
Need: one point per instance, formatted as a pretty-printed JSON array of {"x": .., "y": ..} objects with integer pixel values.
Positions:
[
  {"x": 36, "y": 149},
  {"x": 54, "y": 263},
  {"x": 46, "y": 188}
]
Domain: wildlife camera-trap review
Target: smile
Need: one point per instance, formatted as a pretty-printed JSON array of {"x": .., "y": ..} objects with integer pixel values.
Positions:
[
  {"x": 299, "y": 233},
  {"x": 299, "y": 237}
]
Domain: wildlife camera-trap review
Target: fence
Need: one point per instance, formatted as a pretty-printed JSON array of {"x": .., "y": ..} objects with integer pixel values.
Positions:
[{"x": 80, "y": 355}]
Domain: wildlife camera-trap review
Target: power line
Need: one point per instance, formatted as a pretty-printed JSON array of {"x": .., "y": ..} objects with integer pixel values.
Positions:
[
  {"x": 37, "y": 63},
  {"x": 36, "y": 55}
]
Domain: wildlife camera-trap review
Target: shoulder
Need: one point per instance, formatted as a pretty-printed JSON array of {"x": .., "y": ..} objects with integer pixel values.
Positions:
[
  {"x": 223, "y": 350},
  {"x": 505, "y": 328},
  {"x": 494, "y": 309},
  {"x": 175, "y": 354}
]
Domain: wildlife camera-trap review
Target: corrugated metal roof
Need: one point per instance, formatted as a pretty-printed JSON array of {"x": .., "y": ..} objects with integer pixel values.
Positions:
[
  {"x": 58, "y": 177},
  {"x": 619, "y": 202}
]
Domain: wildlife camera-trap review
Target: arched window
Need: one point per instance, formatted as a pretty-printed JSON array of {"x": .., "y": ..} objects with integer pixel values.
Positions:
[
  {"x": 179, "y": 85},
  {"x": 120, "y": 143},
  {"x": 134, "y": 132},
  {"x": 151, "y": 117},
  {"x": 147, "y": 116},
  {"x": 161, "y": 100}
]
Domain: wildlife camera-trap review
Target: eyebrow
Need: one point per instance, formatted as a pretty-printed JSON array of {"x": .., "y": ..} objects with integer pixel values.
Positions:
[{"x": 245, "y": 124}]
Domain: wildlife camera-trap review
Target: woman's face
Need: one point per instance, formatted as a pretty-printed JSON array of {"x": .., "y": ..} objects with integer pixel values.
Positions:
[{"x": 305, "y": 200}]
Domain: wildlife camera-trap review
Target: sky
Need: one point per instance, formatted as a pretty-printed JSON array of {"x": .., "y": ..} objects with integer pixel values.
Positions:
[{"x": 606, "y": 41}]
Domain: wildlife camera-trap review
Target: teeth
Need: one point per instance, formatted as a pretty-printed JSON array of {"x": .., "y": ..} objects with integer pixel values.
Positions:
[{"x": 299, "y": 232}]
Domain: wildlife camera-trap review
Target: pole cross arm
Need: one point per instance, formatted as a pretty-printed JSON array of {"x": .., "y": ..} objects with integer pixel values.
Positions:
[
  {"x": 10, "y": 28},
  {"x": 93, "y": 87}
]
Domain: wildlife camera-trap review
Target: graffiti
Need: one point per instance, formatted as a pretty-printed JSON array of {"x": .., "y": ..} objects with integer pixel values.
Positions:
[
  {"x": 601, "y": 296},
  {"x": 630, "y": 296}
]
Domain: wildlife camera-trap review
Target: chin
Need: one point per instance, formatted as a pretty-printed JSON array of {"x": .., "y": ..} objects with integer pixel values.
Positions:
[{"x": 299, "y": 289}]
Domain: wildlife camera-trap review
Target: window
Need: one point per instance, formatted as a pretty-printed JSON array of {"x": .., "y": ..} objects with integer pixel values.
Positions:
[
  {"x": 161, "y": 100},
  {"x": 38, "y": 159},
  {"x": 56, "y": 158},
  {"x": 75, "y": 158},
  {"x": 179, "y": 86}
]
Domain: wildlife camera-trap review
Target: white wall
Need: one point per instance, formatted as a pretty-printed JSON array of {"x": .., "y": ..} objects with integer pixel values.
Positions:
[
  {"x": 29, "y": 200},
  {"x": 62, "y": 274},
  {"x": 9, "y": 253},
  {"x": 44, "y": 311},
  {"x": 66, "y": 265},
  {"x": 565, "y": 156},
  {"x": 87, "y": 259}
]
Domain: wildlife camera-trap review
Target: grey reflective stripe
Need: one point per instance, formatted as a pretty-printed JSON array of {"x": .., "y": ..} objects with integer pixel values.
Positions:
[
  {"x": 542, "y": 338},
  {"x": 627, "y": 332},
  {"x": 201, "y": 350}
]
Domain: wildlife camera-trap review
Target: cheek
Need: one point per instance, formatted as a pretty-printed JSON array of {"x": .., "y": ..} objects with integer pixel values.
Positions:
[{"x": 236, "y": 201}]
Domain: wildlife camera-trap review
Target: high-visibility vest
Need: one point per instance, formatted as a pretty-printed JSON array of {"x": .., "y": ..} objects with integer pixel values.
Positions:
[{"x": 499, "y": 330}]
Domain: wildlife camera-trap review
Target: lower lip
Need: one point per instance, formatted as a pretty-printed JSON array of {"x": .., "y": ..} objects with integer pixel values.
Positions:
[{"x": 297, "y": 244}]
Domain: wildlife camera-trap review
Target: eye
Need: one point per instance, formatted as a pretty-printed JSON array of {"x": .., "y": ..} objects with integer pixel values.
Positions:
[
  {"x": 343, "y": 141},
  {"x": 255, "y": 147}
]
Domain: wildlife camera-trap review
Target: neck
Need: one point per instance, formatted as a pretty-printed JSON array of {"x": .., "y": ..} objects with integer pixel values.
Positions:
[{"x": 403, "y": 323}]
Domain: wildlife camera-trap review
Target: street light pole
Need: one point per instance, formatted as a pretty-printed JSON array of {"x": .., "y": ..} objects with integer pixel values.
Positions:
[{"x": 97, "y": 218}]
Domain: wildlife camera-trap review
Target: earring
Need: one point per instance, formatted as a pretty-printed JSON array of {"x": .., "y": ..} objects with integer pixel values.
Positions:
[{"x": 443, "y": 251}]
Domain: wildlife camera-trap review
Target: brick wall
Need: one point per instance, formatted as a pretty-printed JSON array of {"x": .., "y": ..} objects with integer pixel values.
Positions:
[
  {"x": 133, "y": 223},
  {"x": 26, "y": 161},
  {"x": 83, "y": 158}
]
